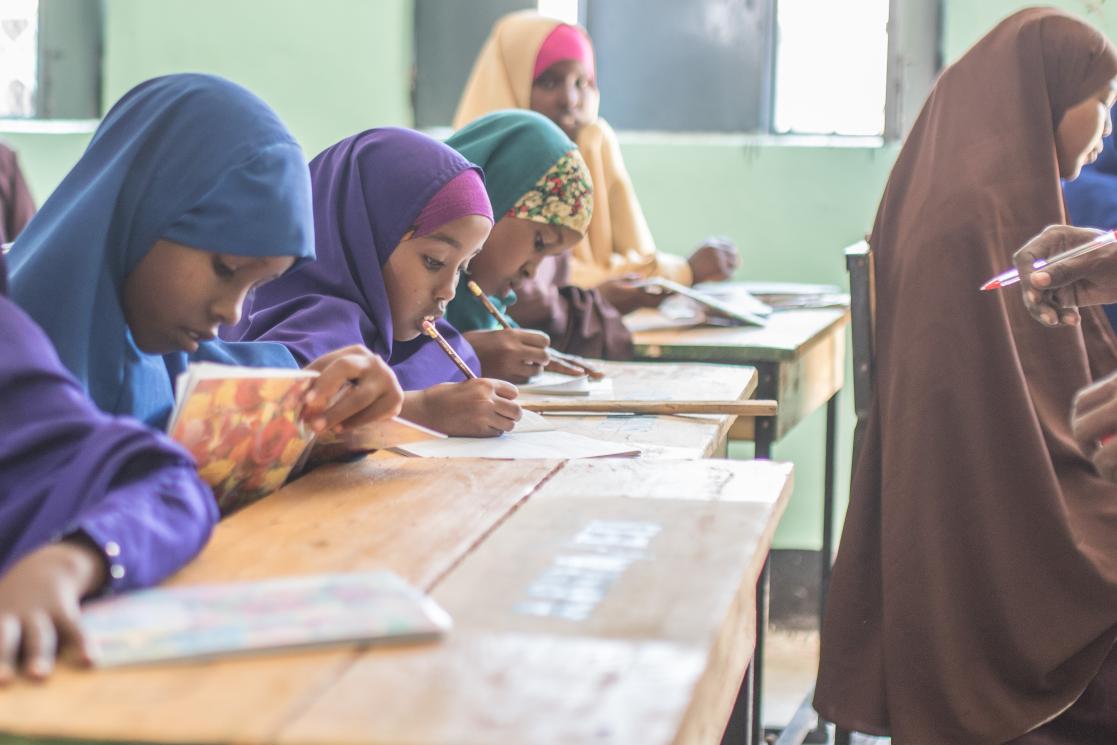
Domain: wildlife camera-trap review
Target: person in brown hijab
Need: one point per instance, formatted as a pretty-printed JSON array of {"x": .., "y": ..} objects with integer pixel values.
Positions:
[
  {"x": 16, "y": 205},
  {"x": 974, "y": 595}
]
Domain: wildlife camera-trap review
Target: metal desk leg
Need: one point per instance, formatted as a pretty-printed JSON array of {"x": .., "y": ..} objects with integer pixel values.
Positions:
[
  {"x": 828, "y": 505},
  {"x": 746, "y": 725}
]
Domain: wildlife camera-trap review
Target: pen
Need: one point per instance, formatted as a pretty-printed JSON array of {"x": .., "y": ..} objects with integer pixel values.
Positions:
[
  {"x": 432, "y": 332},
  {"x": 1011, "y": 277}
]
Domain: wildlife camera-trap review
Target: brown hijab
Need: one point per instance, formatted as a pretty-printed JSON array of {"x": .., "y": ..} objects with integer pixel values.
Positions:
[{"x": 975, "y": 592}]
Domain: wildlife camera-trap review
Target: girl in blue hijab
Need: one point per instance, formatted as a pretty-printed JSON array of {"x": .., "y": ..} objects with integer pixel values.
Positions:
[{"x": 191, "y": 193}]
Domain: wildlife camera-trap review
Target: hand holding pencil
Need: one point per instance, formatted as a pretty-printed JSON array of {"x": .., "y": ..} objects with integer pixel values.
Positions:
[
  {"x": 1057, "y": 277},
  {"x": 554, "y": 360},
  {"x": 478, "y": 407}
]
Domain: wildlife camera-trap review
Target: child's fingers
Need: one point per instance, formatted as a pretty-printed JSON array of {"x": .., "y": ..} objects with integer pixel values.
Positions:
[
  {"x": 383, "y": 406},
  {"x": 509, "y": 410},
  {"x": 72, "y": 637},
  {"x": 532, "y": 338},
  {"x": 564, "y": 367},
  {"x": 364, "y": 394},
  {"x": 39, "y": 645},
  {"x": 10, "y": 631},
  {"x": 504, "y": 389}
]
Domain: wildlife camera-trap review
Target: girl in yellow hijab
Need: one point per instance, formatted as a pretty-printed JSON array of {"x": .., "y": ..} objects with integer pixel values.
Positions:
[{"x": 534, "y": 62}]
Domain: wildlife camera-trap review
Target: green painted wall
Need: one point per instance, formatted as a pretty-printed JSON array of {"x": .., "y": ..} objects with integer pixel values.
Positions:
[
  {"x": 329, "y": 67},
  {"x": 333, "y": 67},
  {"x": 45, "y": 158},
  {"x": 791, "y": 209},
  {"x": 966, "y": 21}
]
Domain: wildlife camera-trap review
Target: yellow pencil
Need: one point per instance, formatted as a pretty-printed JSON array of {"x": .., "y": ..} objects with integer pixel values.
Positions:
[
  {"x": 432, "y": 332},
  {"x": 493, "y": 310},
  {"x": 503, "y": 321}
]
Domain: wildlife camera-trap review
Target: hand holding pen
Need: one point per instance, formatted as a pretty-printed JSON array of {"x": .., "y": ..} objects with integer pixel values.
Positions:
[{"x": 1063, "y": 268}]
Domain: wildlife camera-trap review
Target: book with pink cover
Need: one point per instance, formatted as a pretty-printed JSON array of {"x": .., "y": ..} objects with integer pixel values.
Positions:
[
  {"x": 244, "y": 427},
  {"x": 203, "y": 621}
]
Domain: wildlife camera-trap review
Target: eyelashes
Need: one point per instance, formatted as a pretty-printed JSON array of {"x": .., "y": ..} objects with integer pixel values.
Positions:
[{"x": 221, "y": 269}]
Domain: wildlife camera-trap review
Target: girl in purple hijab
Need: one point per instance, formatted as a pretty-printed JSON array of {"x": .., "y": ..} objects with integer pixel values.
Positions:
[
  {"x": 397, "y": 216},
  {"x": 88, "y": 502}
]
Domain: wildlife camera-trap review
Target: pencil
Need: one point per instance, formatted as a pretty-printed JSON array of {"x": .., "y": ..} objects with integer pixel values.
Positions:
[
  {"x": 432, "y": 332},
  {"x": 493, "y": 310},
  {"x": 503, "y": 321}
]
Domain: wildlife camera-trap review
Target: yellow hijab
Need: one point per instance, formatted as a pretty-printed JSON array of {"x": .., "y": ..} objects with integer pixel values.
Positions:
[{"x": 619, "y": 241}]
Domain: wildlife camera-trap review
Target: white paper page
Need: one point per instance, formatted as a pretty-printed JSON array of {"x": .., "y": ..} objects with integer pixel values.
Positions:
[
  {"x": 557, "y": 384},
  {"x": 517, "y": 445}
]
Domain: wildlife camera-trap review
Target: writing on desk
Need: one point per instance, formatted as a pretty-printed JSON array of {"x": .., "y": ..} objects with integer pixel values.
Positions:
[{"x": 580, "y": 577}]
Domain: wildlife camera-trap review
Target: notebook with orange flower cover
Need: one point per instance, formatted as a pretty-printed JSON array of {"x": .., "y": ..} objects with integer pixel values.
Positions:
[{"x": 243, "y": 426}]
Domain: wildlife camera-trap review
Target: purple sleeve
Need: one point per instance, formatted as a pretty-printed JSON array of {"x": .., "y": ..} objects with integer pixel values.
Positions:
[
  {"x": 149, "y": 527},
  {"x": 67, "y": 467}
]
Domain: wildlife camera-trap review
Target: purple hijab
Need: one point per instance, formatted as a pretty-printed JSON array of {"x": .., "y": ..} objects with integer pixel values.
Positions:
[
  {"x": 66, "y": 467},
  {"x": 368, "y": 191}
]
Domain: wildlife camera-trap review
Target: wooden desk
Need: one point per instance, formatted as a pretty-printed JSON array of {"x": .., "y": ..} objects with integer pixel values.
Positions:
[
  {"x": 800, "y": 357},
  {"x": 655, "y": 659},
  {"x": 691, "y": 436}
]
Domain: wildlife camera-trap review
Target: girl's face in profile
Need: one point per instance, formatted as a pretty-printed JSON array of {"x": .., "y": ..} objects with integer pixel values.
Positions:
[
  {"x": 564, "y": 94},
  {"x": 422, "y": 273},
  {"x": 178, "y": 296},
  {"x": 1078, "y": 136},
  {"x": 514, "y": 250}
]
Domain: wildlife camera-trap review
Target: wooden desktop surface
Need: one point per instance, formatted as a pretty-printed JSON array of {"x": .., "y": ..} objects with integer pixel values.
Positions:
[
  {"x": 666, "y": 553},
  {"x": 804, "y": 351}
]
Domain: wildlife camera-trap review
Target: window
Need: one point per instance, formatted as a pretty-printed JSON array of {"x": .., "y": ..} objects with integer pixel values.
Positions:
[
  {"x": 50, "y": 59},
  {"x": 829, "y": 67},
  {"x": 19, "y": 46},
  {"x": 846, "y": 94}
]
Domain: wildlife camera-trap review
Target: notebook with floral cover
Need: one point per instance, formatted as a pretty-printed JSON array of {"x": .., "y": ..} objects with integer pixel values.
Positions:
[{"x": 243, "y": 426}]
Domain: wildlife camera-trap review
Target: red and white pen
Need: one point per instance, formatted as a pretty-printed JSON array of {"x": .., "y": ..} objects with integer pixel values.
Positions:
[{"x": 1011, "y": 277}]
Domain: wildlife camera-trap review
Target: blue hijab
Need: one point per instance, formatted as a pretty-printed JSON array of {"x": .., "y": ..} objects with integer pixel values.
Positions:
[
  {"x": 1091, "y": 199},
  {"x": 368, "y": 191},
  {"x": 193, "y": 159}
]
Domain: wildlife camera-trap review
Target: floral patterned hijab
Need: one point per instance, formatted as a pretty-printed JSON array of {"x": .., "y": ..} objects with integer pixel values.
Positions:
[{"x": 562, "y": 196}]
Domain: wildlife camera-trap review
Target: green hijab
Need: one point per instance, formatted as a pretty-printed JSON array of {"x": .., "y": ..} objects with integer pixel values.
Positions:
[{"x": 516, "y": 148}]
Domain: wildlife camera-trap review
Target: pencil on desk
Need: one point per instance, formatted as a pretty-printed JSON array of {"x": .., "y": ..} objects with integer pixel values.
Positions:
[
  {"x": 728, "y": 408},
  {"x": 432, "y": 332}
]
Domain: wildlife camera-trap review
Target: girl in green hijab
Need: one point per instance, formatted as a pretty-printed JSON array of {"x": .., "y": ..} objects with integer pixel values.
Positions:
[{"x": 542, "y": 199}]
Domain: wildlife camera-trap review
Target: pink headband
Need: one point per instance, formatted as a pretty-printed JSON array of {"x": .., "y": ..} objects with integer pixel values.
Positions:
[
  {"x": 462, "y": 195},
  {"x": 565, "y": 42}
]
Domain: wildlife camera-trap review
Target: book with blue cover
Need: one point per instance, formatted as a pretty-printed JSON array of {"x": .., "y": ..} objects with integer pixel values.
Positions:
[{"x": 204, "y": 621}]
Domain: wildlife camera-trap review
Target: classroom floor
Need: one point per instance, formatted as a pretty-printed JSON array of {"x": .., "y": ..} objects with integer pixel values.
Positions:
[{"x": 791, "y": 651}]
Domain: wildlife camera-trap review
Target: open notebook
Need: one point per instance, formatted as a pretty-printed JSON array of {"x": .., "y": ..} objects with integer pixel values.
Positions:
[
  {"x": 740, "y": 307},
  {"x": 179, "y": 623}
]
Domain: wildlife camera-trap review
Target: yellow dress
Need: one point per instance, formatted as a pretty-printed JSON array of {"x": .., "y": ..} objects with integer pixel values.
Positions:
[{"x": 619, "y": 241}]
